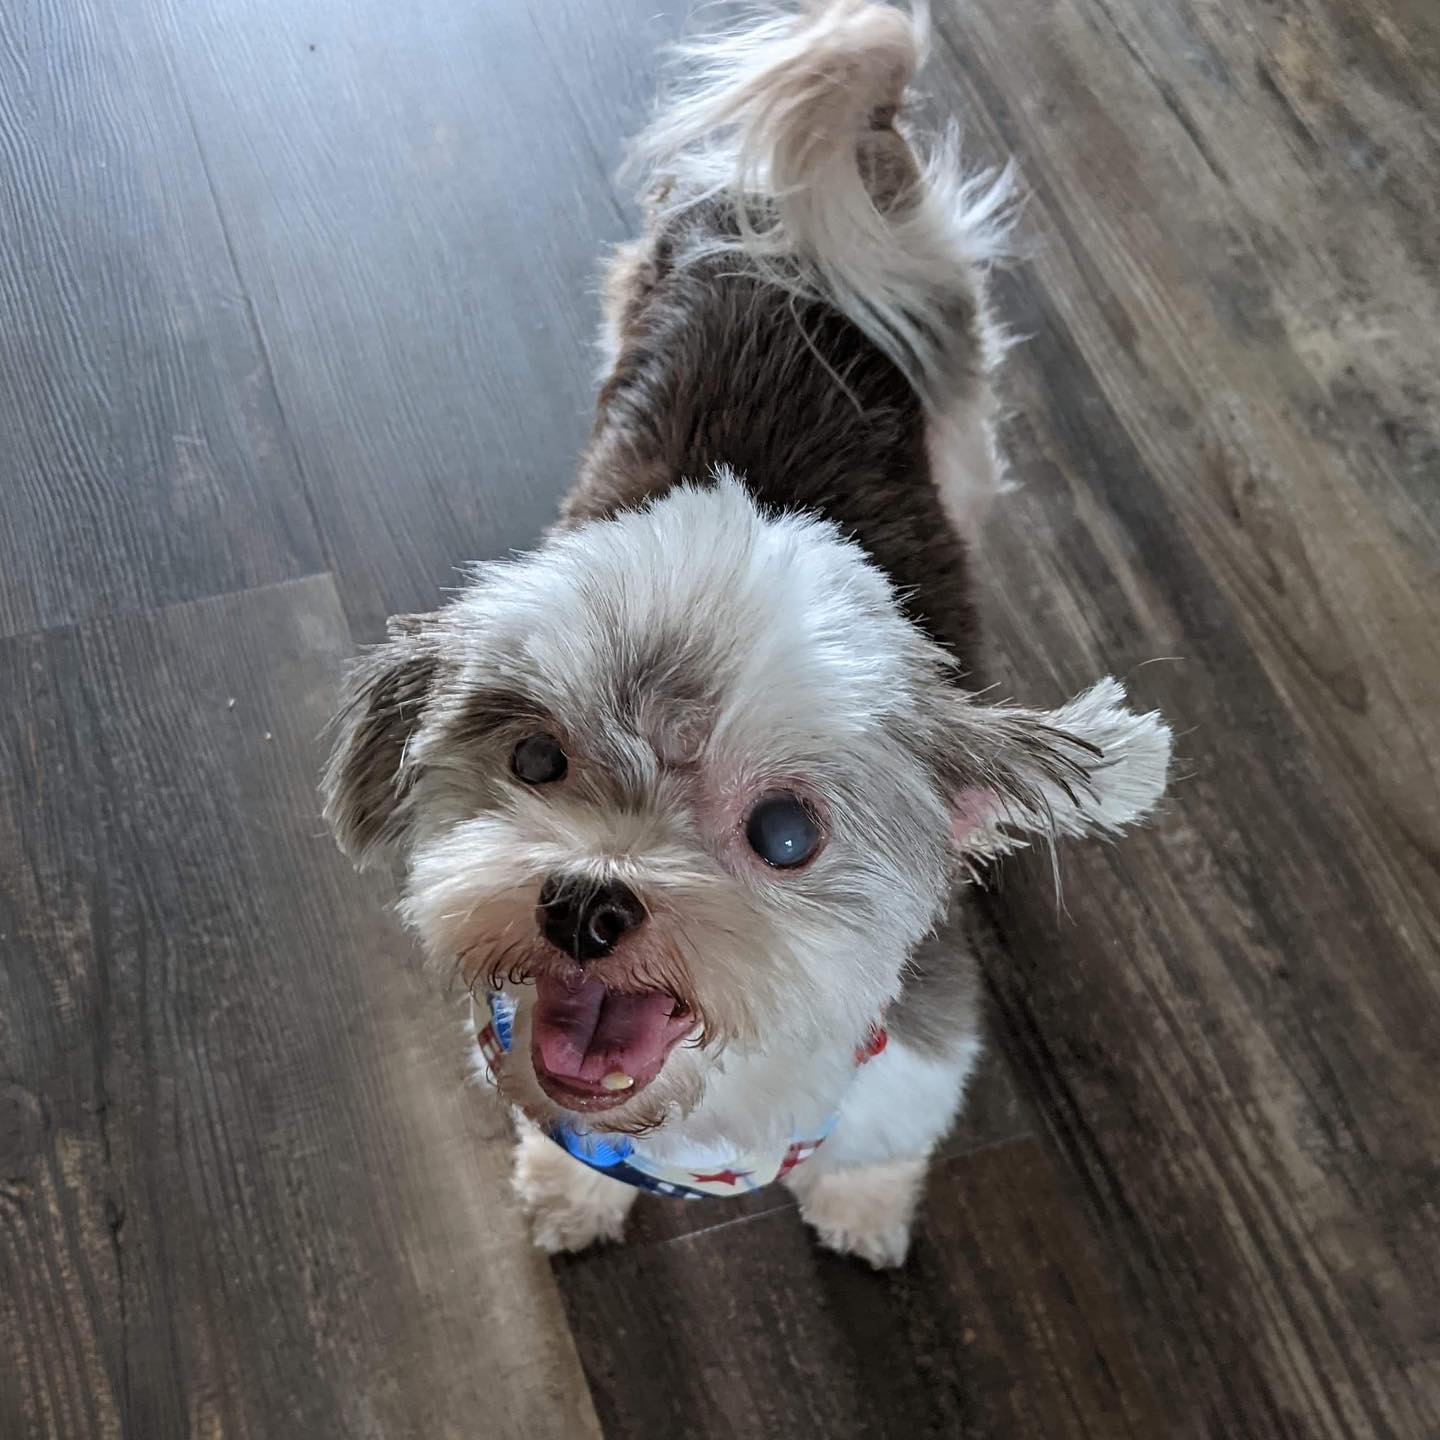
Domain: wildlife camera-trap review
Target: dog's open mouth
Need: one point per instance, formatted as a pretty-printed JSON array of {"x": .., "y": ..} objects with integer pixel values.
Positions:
[{"x": 594, "y": 1048}]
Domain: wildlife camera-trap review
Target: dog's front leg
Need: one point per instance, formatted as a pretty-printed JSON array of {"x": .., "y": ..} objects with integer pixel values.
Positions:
[
  {"x": 860, "y": 1190},
  {"x": 571, "y": 1206}
]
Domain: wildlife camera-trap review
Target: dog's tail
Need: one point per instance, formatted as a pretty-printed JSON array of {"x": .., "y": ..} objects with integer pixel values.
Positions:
[{"x": 791, "y": 124}]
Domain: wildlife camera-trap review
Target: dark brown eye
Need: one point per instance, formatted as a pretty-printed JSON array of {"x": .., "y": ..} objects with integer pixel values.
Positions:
[
  {"x": 538, "y": 759},
  {"x": 782, "y": 830}
]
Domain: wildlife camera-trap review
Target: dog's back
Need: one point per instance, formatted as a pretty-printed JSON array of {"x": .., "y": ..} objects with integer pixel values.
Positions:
[{"x": 807, "y": 306}]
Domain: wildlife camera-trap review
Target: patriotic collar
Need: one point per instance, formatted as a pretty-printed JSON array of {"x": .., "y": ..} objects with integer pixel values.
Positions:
[{"x": 622, "y": 1157}]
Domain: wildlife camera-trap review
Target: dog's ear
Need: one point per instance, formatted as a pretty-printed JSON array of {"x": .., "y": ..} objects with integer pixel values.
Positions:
[
  {"x": 369, "y": 773},
  {"x": 1091, "y": 767}
]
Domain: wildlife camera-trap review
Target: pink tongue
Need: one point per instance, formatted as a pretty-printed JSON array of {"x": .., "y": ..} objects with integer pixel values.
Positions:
[{"x": 584, "y": 1034}]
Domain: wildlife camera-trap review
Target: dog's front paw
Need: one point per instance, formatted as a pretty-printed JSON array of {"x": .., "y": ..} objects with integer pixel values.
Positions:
[
  {"x": 865, "y": 1211},
  {"x": 571, "y": 1206}
]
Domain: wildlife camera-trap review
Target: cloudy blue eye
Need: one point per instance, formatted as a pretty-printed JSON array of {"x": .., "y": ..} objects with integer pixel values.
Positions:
[
  {"x": 782, "y": 830},
  {"x": 538, "y": 759}
]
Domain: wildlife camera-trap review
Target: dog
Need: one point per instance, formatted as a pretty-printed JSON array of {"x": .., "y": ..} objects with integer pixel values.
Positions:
[{"x": 688, "y": 792}]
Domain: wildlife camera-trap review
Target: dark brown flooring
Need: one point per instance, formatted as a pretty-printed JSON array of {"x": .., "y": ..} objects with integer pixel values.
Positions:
[{"x": 295, "y": 315}]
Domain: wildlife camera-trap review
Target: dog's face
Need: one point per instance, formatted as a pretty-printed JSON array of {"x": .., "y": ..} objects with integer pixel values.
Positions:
[{"x": 687, "y": 780}]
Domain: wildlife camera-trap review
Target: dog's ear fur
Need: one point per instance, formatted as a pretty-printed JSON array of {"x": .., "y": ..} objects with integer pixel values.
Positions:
[
  {"x": 369, "y": 775},
  {"x": 1091, "y": 767}
]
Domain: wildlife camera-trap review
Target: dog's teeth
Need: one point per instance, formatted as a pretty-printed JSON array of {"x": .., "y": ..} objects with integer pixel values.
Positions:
[{"x": 617, "y": 1080}]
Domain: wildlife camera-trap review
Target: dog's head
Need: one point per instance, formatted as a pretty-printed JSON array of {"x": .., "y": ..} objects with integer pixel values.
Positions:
[{"x": 688, "y": 779}]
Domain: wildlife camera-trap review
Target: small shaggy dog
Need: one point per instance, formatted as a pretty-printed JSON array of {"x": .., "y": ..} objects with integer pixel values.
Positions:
[{"x": 687, "y": 791}]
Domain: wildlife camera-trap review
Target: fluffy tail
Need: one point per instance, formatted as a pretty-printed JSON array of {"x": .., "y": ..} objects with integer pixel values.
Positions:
[{"x": 790, "y": 123}]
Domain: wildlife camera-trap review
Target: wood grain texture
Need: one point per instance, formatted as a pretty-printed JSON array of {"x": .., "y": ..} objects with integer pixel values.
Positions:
[
  {"x": 418, "y": 210},
  {"x": 1002, "y": 1325},
  {"x": 242, "y": 1188},
  {"x": 142, "y": 456},
  {"x": 1233, "y": 1033}
]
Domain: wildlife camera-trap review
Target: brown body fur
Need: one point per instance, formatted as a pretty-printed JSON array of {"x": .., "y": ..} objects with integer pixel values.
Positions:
[{"x": 713, "y": 364}]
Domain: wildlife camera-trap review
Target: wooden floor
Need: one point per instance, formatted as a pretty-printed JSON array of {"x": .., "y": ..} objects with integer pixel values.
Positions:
[{"x": 295, "y": 311}]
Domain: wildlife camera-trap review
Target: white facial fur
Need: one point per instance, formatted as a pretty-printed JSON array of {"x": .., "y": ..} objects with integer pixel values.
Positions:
[{"x": 690, "y": 658}]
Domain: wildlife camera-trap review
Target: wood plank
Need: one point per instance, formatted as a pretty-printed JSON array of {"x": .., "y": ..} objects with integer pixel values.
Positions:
[
  {"x": 1316, "y": 536},
  {"x": 1232, "y": 1032},
  {"x": 243, "y": 1190},
  {"x": 418, "y": 209},
  {"x": 144, "y": 456},
  {"x": 1002, "y": 1325}
]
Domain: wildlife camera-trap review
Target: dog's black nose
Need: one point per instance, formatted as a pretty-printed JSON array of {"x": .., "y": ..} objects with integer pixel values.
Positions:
[{"x": 586, "y": 920}]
